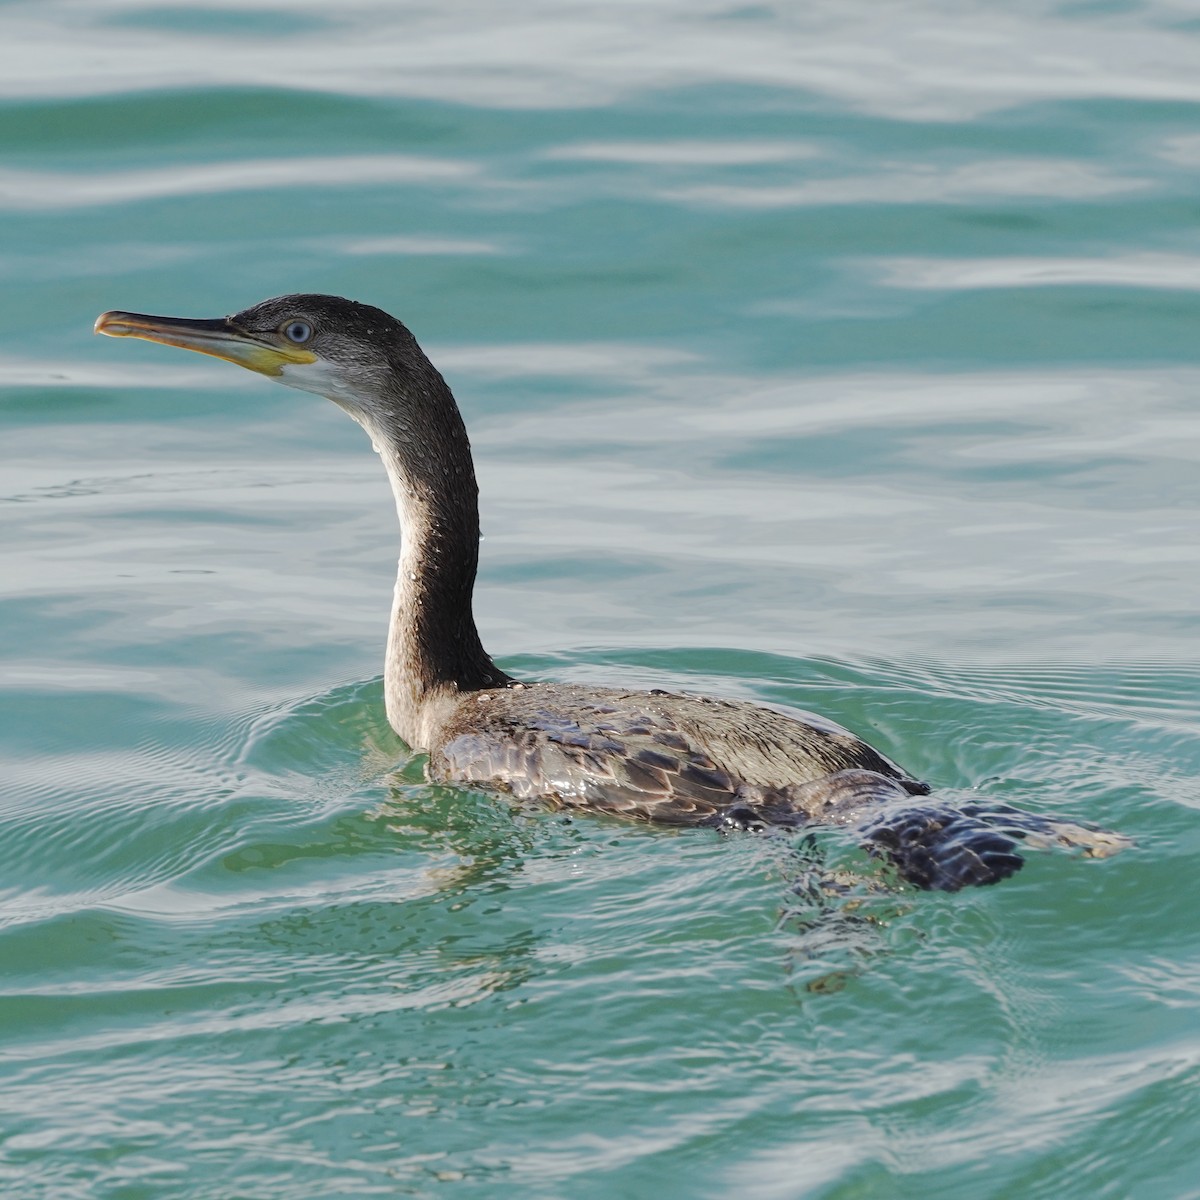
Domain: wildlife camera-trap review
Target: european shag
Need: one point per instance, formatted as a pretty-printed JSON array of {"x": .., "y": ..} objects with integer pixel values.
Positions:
[{"x": 654, "y": 755}]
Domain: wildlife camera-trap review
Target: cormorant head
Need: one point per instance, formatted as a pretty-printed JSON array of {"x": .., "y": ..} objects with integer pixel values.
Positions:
[{"x": 355, "y": 355}]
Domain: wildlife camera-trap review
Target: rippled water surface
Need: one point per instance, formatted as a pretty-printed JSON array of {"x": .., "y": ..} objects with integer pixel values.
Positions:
[{"x": 838, "y": 355}]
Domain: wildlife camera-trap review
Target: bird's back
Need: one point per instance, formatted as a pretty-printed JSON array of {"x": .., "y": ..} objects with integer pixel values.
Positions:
[{"x": 659, "y": 756}]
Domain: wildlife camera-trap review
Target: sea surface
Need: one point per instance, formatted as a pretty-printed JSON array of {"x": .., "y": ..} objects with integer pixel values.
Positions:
[{"x": 843, "y": 356}]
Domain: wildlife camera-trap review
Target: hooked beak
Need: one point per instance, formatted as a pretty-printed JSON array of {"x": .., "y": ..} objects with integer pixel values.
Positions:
[{"x": 220, "y": 338}]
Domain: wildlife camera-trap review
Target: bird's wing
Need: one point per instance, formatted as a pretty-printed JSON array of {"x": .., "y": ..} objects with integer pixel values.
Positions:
[
  {"x": 658, "y": 756},
  {"x": 609, "y": 757}
]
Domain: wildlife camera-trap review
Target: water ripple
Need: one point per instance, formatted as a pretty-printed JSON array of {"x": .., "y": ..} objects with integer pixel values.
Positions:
[
  {"x": 32, "y": 190},
  {"x": 928, "y": 63}
]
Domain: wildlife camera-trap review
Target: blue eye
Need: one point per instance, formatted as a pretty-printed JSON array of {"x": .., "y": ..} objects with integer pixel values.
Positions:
[{"x": 297, "y": 331}]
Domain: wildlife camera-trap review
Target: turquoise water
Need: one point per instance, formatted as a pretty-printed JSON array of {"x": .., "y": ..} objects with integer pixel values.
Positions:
[{"x": 842, "y": 357}]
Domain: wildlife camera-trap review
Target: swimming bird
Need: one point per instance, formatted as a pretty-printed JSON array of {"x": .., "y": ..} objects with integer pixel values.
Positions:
[{"x": 661, "y": 756}]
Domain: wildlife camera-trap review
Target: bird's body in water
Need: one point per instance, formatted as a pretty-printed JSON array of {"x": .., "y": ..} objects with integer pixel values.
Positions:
[{"x": 659, "y": 756}]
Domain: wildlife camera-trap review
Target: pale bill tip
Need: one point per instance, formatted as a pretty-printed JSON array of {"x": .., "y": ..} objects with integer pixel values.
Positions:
[{"x": 110, "y": 323}]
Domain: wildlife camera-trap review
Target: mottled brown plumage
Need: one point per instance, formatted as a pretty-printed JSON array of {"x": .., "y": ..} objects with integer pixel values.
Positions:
[{"x": 655, "y": 756}]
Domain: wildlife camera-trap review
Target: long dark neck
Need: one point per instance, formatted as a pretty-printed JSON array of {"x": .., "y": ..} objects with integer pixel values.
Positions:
[{"x": 433, "y": 648}]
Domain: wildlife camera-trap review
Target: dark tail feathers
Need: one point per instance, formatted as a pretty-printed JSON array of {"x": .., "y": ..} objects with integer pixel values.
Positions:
[
  {"x": 935, "y": 845},
  {"x": 942, "y": 848}
]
